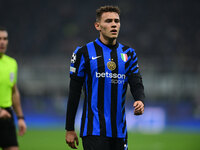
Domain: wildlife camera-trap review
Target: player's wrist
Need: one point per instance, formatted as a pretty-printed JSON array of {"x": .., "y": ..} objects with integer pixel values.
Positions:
[{"x": 20, "y": 117}]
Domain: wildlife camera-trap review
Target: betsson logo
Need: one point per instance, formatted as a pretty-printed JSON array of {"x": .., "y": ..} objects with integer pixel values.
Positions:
[{"x": 114, "y": 77}]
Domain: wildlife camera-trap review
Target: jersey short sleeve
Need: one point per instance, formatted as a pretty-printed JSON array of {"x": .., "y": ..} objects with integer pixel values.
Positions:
[
  {"x": 133, "y": 65},
  {"x": 77, "y": 66}
]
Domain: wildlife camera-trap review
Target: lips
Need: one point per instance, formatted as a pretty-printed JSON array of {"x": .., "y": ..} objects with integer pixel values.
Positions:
[
  {"x": 1, "y": 47},
  {"x": 114, "y": 30}
]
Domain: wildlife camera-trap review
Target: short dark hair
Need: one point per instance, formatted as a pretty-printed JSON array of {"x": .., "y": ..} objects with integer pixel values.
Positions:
[
  {"x": 3, "y": 28},
  {"x": 104, "y": 9}
]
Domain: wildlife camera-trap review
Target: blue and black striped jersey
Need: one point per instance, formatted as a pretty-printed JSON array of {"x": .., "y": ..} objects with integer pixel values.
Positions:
[{"x": 105, "y": 71}]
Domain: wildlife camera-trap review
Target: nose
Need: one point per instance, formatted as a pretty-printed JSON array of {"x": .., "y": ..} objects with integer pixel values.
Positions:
[{"x": 114, "y": 25}]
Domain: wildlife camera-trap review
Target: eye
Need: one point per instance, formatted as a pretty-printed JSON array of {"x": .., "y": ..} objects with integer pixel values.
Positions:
[
  {"x": 108, "y": 20},
  {"x": 117, "y": 20}
]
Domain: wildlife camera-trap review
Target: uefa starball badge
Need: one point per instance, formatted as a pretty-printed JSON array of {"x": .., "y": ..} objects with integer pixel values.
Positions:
[{"x": 73, "y": 59}]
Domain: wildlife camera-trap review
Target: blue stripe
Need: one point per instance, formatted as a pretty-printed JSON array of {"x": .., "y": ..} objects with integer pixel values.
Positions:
[
  {"x": 127, "y": 50},
  {"x": 81, "y": 67},
  {"x": 134, "y": 54},
  {"x": 133, "y": 68},
  {"x": 136, "y": 71},
  {"x": 131, "y": 63}
]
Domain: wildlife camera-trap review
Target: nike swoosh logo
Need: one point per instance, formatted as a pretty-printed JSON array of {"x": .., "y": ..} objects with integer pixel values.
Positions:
[{"x": 95, "y": 57}]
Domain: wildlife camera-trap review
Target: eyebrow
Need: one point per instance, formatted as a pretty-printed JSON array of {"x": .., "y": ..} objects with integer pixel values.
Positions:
[
  {"x": 5, "y": 38},
  {"x": 110, "y": 19}
]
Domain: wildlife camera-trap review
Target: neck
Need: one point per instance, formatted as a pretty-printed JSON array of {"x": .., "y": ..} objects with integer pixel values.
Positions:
[{"x": 108, "y": 41}]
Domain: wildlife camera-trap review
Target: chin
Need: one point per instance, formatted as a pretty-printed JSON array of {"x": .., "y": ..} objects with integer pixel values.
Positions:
[{"x": 114, "y": 37}]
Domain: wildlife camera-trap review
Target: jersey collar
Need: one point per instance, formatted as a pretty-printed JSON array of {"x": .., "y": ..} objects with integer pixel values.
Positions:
[{"x": 98, "y": 41}]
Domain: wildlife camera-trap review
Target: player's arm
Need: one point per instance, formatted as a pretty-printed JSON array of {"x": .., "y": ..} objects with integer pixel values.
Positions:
[
  {"x": 72, "y": 106},
  {"x": 136, "y": 84},
  {"x": 18, "y": 110},
  {"x": 137, "y": 90},
  {"x": 77, "y": 75},
  {"x": 75, "y": 87}
]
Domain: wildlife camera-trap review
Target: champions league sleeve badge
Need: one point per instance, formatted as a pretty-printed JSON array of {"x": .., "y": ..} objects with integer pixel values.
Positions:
[{"x": 73, "y": 59}]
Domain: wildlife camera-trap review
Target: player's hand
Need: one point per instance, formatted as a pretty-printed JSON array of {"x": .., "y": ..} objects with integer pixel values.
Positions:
[
  {"x": 5, "y": 114},
  {"x": 71, "y": 138},
  {"x": 139, "y": 107},
  {"x": 22, "y": 127}
]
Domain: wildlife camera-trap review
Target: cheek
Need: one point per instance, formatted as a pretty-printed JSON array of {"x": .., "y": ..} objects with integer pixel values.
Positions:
[
  {"x": 119, "y": 26},
  {"x": 103, "y": 29}
]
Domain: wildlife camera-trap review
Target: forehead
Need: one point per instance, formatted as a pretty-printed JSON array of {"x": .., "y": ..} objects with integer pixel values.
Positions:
[
  {"x": 3, "y": 34},
  {"x": 109, "y": 15}
]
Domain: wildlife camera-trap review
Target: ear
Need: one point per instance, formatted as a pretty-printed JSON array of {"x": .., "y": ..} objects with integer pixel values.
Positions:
[{"x": 97, "y": 26}]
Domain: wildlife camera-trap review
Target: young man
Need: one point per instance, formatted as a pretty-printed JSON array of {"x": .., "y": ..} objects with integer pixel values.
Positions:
[
  {"x": 9, "y": 96},
  {"x": 104, "y": 68}
]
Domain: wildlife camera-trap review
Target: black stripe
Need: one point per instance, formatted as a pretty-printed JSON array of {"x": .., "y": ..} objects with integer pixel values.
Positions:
[
  {"x": 123, "y": 111},
  {"x": 90, "y": 112},
  {"x": 124, "y": 89},
  {"x": 123, "y": 103},
  {"x": 84, "y": 113},
  {"x": 114, "y": 93},
  {"x": 125, "y": 48},
  {"x": 123, "y": 129},
  {"x": 123, "y": 95},
  {"x": 101, "y": 82},
  {"x": 128, "y": 62},
  {"x": 134, "y": 69},
  {"x": 134, "y": 64},
  {"x": 125, "y": 85},
  {"x": 129, "y": 53},
  {"x": 134, "y": 58}
]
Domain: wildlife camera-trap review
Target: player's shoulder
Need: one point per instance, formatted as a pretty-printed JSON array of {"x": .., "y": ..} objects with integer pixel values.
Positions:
[
  {"x": 82, "y": 49},
  {"x": 126, "y": 48},
  {"x": 9, "y": 59}
]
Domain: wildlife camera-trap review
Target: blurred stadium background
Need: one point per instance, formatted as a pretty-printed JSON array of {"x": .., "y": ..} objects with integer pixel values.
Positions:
[{"x": 166, "y": 35}]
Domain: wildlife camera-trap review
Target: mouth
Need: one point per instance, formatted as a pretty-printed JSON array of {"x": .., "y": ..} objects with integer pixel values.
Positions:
[
  {"x": 2, "y": 47},
  {"x": 113, "y": 31}
]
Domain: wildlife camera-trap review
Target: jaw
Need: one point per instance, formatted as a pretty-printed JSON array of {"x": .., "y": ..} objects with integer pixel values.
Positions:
[
  {"x": 108, "y": 40},
  {"x": 2, "y": 50}
]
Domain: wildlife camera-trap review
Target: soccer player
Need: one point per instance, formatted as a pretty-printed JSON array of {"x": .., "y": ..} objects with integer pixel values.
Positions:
[
  {"x": 104, "y": 68},
  {"x": 9, "y": 96}
]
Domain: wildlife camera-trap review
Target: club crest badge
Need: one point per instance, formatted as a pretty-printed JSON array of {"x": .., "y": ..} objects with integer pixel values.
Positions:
[
  {"x": 111, "y": 65},
  {"x": 124, "y": 57}
]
